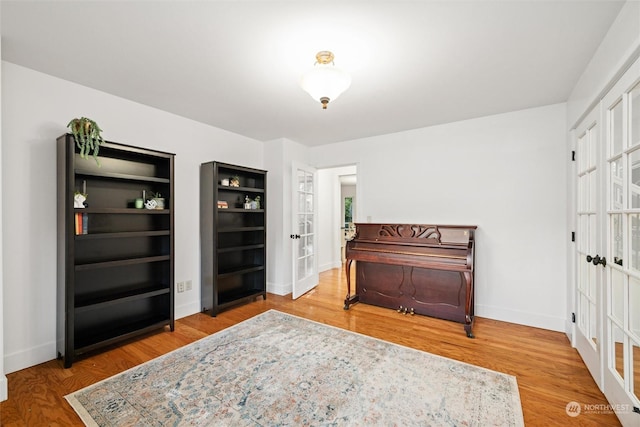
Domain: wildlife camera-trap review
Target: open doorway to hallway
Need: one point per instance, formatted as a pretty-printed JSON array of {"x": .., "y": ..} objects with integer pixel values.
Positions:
[{"x": 338, "y": 208}]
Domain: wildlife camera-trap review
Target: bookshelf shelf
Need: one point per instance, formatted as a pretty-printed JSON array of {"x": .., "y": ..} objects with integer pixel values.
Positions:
[{"x": 122, "y": 176}]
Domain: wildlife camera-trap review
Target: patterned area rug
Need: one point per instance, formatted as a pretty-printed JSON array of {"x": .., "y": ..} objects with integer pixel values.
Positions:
[{"x": 278, "y": 369}]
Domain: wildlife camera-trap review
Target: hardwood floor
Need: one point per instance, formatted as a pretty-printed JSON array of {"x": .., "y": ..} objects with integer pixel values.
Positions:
[{"x": 550, "y": 373}]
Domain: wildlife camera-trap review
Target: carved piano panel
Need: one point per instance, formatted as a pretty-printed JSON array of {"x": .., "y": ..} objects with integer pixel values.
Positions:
[
  {"x": 381, "y": 283},
  {"x": 439, "y": 293},
  {"x": 422, "y": 269}
]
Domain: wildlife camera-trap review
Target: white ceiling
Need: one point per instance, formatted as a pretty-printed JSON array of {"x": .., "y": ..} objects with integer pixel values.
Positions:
[{"x": 236, "y": 64}]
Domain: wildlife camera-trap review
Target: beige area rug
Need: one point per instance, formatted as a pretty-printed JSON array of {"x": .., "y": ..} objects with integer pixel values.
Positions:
[{"x": 277, "y": 369}]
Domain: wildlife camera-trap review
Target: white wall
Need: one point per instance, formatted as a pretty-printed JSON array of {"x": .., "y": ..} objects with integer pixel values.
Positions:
[
  {"x": 328, "y": 196},
  {"x": 504, "y": 173},
  {"x": 278, "y": 280},
  {"x": 617, "y": 51},
  {"x": 35, "y": 110},
  {"x": 3, "y": 378},
  {"x": 279, "y": 156}
]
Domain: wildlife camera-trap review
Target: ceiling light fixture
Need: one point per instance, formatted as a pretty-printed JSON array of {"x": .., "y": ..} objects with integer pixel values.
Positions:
[{"x": 325, "y": 82}]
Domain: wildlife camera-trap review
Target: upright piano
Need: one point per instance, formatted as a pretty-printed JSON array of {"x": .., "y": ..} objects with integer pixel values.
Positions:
[{"x": 415, "y": 269}]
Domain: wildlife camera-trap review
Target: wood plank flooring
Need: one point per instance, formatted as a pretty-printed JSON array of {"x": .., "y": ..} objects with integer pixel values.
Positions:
[{"x": 550, "y": 373}]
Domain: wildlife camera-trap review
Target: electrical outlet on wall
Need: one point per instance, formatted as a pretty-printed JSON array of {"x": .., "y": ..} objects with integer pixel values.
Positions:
[
  {"x": 180, "y": 286},
  {"x": 188, "y": 285}
]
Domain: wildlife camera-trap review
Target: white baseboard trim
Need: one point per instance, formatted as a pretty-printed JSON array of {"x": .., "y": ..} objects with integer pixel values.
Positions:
[
  {"x": 46, "y": 352},
  {"x": 4, "y": 394},
  {"x": 329, "y": 266},
  {"x": 187, "y": 309},
  {"x": 29, "y": 357},
  {"x": 279, "y": 288},
  {"x": 521, "y": 317}
]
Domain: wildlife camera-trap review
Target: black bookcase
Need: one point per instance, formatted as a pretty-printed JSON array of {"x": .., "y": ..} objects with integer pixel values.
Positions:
[
  {"x": 232, "y": 235},
  {"x": 115, "y": 261}
]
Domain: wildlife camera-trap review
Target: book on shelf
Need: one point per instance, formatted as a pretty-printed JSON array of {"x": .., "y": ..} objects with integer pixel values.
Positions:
[
  {"x": 81, "y": 223},
  {"x": 85, "y": 223},
  {"x": 222, "y": 204}
]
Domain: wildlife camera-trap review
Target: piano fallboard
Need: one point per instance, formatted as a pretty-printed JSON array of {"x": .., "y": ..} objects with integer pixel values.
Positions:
[{"x": 414, "y": 268}]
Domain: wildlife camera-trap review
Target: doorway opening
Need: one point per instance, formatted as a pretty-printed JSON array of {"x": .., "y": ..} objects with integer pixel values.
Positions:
[{"x": 338, "y": 211}]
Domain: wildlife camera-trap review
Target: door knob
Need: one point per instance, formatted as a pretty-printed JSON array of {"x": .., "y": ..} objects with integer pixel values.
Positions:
[{"x": 597, "y": 260}]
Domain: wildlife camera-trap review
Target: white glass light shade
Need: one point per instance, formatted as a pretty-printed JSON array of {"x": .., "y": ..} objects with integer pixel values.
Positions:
[{"x": 325, "y": 82}]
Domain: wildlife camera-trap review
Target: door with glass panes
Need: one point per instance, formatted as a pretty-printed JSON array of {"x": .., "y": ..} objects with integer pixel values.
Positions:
[
  {"x": 621, "y": 361},
  {"x": 589, "y": 256},
  {"x": 304, "y": 222}
]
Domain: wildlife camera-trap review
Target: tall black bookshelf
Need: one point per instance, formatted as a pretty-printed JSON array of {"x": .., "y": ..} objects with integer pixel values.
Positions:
[
  {"x": 115, "y": 259},
  {"x": 233, "y": 231}
]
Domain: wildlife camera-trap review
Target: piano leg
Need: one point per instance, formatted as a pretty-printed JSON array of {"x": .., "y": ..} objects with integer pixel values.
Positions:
[
  {"x": 350, "y": 299},
  {"x": 468, "y": 305},
  {"x": 467, "y": 329}
]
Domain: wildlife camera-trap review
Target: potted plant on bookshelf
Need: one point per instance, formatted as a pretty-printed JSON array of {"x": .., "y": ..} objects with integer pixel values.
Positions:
[{"x": 88, "y": 136}]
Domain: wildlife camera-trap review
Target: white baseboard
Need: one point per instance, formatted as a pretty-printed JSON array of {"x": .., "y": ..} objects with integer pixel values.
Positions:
[
  {"x": 329, "y": 266},
  {"x": 44, "y": 353},
  {"x": 568, "y": 330},
  {"x": 4, "y": 395},
  {"x": 29, "y": 357},
  {"x": 185, "y": 310},
  {"x": 279, "y": 288},
  {"x": 521, "y": 317}
]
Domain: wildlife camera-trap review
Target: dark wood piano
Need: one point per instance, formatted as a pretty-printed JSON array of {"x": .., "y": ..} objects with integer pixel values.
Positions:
[{"x": 414, "y": 268}]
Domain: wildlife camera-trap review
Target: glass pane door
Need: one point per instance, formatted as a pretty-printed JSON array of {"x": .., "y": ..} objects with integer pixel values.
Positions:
[
  {"x": 305, "y": 270},
  {"x": 306, "y": 220},
  {"x": 588, "y": 254},
  {"x": 621, "y": 376}
]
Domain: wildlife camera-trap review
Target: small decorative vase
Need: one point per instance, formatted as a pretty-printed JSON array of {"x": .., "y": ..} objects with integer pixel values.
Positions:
[{"x": 78, "y": 201}]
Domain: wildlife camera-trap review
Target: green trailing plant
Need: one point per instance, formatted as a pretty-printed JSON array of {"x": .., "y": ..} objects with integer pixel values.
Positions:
[{"x": 88, "y": 137}]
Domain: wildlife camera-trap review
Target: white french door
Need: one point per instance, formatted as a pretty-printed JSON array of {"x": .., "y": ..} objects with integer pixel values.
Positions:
[
  {"x": 607, "y": 298},
  {"x": 589, "y": 256},
  {"x": 304, "y": 225},
  {"x": 621, "y": 362}
]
